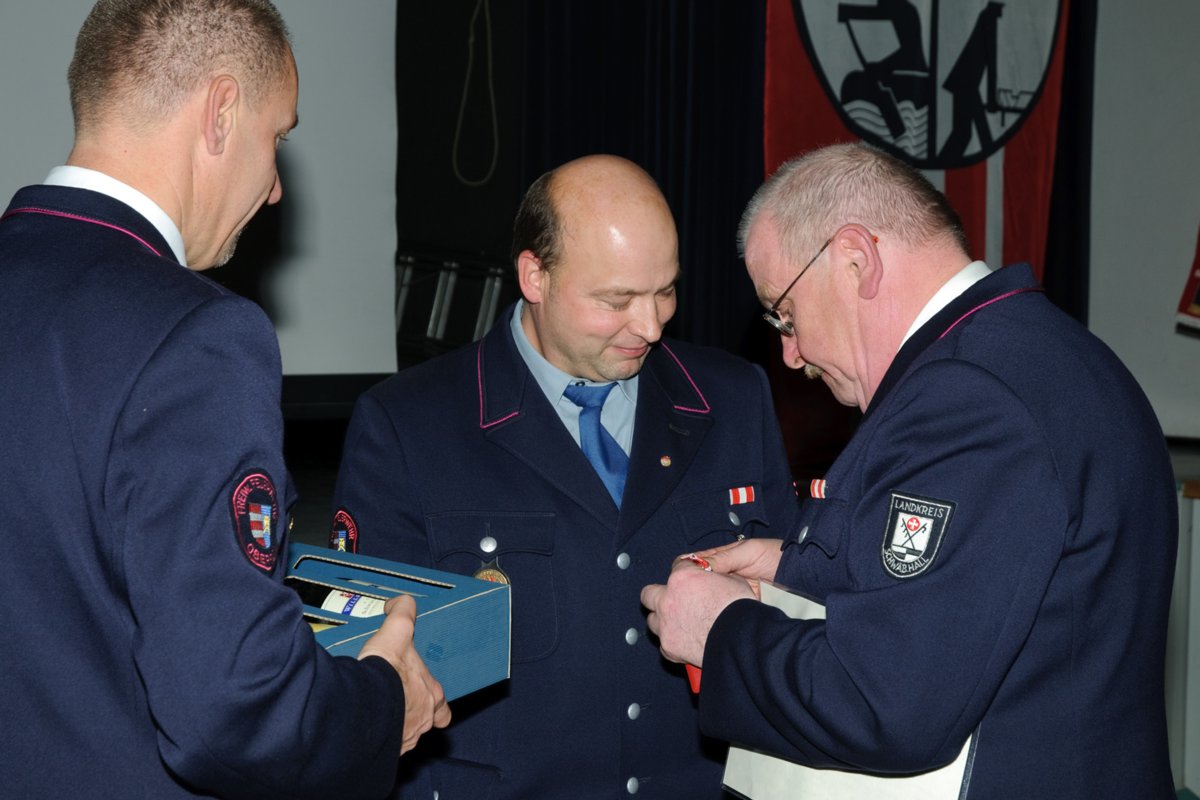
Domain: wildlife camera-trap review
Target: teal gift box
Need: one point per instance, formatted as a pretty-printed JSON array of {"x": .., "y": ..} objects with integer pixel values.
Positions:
[{"x": 463, "y": 624}]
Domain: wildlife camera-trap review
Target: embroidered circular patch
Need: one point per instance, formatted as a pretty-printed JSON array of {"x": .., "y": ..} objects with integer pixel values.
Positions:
[
  {"x": 255, "y": 519},
  {"x": 343, "y": 536}
]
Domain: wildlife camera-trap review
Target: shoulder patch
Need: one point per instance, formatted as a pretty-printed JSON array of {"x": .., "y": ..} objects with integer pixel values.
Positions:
[
  {"x": 255, "y": 518},
  {"x": 915, "y": 527},
  {"x": 343, "y": 536}
]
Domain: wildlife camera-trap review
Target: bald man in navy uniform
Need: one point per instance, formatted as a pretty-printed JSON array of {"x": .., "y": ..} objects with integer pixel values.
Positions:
[
  {"x": 475, "y": 463},
  {"x": 150, "y": 648}
]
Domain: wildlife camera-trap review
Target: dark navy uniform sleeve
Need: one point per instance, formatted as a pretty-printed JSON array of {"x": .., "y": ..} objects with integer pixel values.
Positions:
[
  {"x": 905, "y": 665},
  {"x": 246, "y": 703}
]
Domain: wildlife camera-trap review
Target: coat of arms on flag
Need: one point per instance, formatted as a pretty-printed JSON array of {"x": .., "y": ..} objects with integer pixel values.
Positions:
[
  {"x": 968, "y": 91},
  {"x": 939, "y": 84}
]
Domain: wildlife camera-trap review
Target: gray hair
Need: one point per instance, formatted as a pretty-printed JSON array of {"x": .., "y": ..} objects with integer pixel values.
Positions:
[{"x": 809, "y": 197}]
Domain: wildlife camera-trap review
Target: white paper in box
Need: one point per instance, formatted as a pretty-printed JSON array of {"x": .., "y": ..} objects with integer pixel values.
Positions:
[{"x": 463, "y": 624}]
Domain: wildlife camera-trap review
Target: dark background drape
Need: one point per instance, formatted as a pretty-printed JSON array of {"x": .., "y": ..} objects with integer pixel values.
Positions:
[
  {"x": 509, "y": 91},
  {"x": 675, "y": 86},
  {"x": 1067, "y": 245}
]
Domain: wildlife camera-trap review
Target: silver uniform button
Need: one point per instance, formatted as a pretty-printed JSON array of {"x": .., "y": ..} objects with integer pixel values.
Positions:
[
  {"x": 634, "y": 711},
  {"x": 488, "y": 544},
  {"x": 631, "y": 636},
  {"x": 734, "y": 518},
  {"x": 623, "y": 561},
  {"x": 631, "y": 785},
  {"x": 803, "y": 533}
]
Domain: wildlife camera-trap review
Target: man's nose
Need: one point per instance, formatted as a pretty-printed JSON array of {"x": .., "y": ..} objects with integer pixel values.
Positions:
[{"x": 791, "y": 352}]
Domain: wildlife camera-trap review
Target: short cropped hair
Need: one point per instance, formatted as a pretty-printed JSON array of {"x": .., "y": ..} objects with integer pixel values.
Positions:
[
  {"x": 812, "y": 196},
  {"x": 537, "y": 227},
  {"x": 140, "y": 59}
]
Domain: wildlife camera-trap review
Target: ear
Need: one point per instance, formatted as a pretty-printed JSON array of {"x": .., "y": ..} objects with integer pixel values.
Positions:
[
  {"x": 531, "y": 277},
  {"x": 858, "y": 246},
  {"x": 220, "y": 112}
]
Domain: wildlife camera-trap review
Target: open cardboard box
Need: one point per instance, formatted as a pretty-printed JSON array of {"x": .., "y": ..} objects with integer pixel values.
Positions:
[{"x": 463, "y": 624}]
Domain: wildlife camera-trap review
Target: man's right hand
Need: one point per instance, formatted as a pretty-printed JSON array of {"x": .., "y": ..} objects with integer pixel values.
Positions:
[
  {"x": 752, "y": 559},
  {"x": 424, "y": 701}
]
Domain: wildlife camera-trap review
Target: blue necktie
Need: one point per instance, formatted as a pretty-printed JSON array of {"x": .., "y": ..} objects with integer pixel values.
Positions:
[{"x": 599, "y": 447}]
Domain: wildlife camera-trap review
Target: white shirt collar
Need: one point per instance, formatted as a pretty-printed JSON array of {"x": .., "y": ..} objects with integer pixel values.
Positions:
[
  {"x": 83, "y": 178},
  {"x": 963, "y": 280}
]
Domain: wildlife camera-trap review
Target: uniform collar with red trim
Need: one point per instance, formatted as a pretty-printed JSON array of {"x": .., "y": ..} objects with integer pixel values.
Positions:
[
  {"x": 1000, "y": 285},
  {"x": 89, "y": 206},
  {"x": 502, "y": 376}
]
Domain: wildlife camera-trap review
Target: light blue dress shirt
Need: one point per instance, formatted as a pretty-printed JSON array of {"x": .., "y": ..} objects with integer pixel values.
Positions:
[{"x": 619, "y": 410}]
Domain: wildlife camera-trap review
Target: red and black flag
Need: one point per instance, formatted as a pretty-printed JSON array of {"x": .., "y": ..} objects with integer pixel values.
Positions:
[{"x": 968, "y": 91}]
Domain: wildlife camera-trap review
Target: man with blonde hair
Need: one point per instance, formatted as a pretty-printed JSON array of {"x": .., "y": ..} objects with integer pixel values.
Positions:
[
  {"x": 152, "y": 649},
  {"x": 994, "y": 549}
]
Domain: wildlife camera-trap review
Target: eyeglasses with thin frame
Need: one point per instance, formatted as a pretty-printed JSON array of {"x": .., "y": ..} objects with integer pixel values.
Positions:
[{"x": 780, "y": 324}]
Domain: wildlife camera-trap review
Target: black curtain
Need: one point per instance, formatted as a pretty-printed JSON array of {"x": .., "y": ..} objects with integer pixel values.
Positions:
[
  {"x": 1067, "y": 270},
  {"x": 675, "y": 86}
]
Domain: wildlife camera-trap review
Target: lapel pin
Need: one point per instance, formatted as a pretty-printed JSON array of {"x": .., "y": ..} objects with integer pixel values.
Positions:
[{"x": 665, "y": 461}]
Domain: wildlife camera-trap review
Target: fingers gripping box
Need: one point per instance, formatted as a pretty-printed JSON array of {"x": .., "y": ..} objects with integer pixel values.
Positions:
[{"x": 463, "y": 624}]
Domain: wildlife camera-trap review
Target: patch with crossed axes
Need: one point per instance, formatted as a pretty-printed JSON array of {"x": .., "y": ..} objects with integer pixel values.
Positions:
[{"x": 914, "y": 532}]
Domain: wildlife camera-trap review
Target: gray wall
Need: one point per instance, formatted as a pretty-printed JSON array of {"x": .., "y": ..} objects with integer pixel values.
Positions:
[{"x": 1146, "y": 196}]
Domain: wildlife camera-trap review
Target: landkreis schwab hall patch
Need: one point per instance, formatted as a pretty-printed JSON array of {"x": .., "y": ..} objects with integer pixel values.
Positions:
[{"x": 915, "y": 527}]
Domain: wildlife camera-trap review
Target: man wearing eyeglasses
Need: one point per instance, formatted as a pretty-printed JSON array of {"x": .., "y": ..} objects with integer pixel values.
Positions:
[{"x": 994, "y": 549}]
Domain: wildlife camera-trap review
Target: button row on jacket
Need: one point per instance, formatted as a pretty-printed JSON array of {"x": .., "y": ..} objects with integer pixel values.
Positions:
[{"x": 631, "y": 637}]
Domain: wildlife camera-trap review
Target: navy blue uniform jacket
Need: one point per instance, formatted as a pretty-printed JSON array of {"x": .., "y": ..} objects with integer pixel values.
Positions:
[
  {"x": 149, "y": 648},
  {"x": 995, "y": 549},
  {"x": 466, "y": 448}
]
